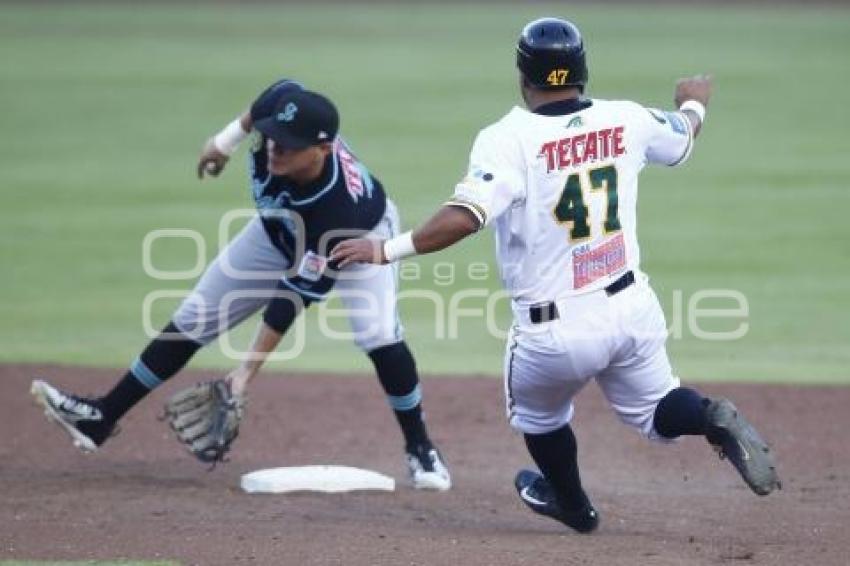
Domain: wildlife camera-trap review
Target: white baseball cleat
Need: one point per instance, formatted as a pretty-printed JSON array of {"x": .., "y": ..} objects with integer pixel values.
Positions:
[
  {"x": 80, "y": 418},
  {"x": 427, "y": 470}
]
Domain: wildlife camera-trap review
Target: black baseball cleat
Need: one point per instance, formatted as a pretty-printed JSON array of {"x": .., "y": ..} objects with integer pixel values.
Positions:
[
  {"x": 81, "y": 418},
  {"x": 536, "y": 492},
  {"x": 736, "y": 440}
]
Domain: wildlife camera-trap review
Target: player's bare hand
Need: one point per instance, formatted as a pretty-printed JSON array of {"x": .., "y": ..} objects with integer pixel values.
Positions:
[
  {"x": 693, "y": 88},
  {"x": 359, "y": 250},
  {"x": 211, "y": 161}
]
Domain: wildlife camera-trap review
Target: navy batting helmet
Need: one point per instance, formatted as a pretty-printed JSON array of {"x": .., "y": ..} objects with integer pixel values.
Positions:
[{"x": 550, "y": 54}]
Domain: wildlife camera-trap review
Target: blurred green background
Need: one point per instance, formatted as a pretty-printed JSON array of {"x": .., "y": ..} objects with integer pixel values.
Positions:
[{"x": 104, "y": 110}]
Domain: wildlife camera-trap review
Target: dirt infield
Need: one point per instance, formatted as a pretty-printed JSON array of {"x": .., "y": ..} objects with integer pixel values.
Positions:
[{"x": 142, "y": 497}]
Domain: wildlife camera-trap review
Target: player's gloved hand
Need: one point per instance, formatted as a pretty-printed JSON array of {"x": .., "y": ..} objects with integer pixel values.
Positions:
[
  {"x": 211, "y": 161},
  {"x": 206, "y": 418},
  {"x": 693, "y": 88},
  {"x": 358, "y": 250}
]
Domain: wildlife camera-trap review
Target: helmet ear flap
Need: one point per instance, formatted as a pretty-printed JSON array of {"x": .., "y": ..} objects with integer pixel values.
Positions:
[{"x": 551, "y": 56}]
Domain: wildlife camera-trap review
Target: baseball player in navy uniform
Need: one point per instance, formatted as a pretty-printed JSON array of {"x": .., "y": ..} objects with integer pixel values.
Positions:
[
  {"x": 558, "y": 182},
  {"x": 310, "y": 192}
]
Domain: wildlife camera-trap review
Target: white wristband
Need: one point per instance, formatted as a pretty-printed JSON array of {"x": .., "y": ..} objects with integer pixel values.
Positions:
[
  {"x": 399, "y": 247},
  {"x": 694, "y": 106},
  {"x": 227, "y": 140}
]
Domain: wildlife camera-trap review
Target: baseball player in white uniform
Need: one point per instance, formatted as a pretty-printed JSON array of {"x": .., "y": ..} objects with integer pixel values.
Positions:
[{"x": 558, "y": 182}]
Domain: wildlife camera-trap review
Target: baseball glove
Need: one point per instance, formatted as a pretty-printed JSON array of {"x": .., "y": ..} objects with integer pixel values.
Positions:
[{"x": 206, "y": 417}]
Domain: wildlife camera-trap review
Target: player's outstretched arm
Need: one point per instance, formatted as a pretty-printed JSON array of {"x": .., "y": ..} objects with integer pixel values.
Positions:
[
  {"x": 218, "y": 149},
  {"x": 265, "y": 341},
  {"x": 691, "y": 98},
  {"x": 449, "y": 225},
  {"x": 278, "y": 317}
]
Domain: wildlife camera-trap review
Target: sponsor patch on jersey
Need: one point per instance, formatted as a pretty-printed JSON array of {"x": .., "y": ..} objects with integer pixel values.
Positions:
[
  {"x": 673, "y": 119},
  {"x": 677, "y": 123},
  {"x": 591, "y": 264},
  {"x": 312, "y": 266}
]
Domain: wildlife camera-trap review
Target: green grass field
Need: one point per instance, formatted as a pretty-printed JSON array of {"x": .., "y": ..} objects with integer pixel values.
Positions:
[{"x": 105, "y": 109}]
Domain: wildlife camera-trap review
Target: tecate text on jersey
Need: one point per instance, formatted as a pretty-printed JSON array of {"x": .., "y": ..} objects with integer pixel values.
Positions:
[{"x": 576, "y": 150}]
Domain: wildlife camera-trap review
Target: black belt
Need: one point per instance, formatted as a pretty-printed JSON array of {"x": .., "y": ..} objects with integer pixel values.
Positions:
[{"x": 545, "y": 312}]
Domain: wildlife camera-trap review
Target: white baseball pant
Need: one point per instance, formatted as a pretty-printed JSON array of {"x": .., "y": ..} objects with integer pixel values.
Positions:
[{"x": 617, "y": 340}]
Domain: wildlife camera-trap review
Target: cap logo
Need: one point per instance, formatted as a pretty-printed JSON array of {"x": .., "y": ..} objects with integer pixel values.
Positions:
[
  {"x": 288, "y": 113},
  {"x": 323, "y": 135},
  {"x": 558, "y": 77}
]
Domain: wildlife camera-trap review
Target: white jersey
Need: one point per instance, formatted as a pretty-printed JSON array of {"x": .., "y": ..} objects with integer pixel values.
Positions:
[{"x": 561, "y": 191}]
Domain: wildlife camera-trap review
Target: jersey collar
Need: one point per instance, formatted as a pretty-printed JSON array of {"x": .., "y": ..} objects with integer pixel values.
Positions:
[
  {"x": 300, "y": 196},
  {"x": 563, "y": 107}
]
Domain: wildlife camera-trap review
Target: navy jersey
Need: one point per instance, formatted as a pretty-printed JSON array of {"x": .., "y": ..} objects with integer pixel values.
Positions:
[{"x": 304, "y": 223}]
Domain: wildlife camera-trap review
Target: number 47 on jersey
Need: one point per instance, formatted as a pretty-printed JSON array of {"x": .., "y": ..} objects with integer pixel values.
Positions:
[{"x": 571, "y": 207}]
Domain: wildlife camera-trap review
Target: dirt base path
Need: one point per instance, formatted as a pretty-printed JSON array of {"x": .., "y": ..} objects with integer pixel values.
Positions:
[{"x": 142, "y": 497}]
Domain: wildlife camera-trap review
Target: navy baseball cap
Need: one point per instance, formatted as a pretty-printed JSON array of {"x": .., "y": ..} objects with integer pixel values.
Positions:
[{"x": 300, "y": 118}]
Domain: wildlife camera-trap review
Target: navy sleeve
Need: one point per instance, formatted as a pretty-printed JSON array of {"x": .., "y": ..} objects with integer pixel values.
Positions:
[{"x": 263, "y": 106}]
